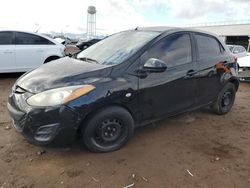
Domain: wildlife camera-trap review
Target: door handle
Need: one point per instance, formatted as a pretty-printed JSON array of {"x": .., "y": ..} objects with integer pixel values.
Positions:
[{"x": 39, "y": 50}]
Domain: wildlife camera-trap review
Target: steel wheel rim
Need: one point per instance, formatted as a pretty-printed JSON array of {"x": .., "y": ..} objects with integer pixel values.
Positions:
[
  {"x": 227, "y": 98},
  {"x": 108, "y": 132}
]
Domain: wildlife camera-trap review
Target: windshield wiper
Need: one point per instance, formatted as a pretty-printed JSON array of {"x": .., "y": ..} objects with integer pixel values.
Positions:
[{"x": 88, "y": 59}]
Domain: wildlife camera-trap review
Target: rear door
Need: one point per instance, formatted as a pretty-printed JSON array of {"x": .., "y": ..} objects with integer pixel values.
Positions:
[
  {"x": 172, "y": 91},
  {"x": 211, "y": 58},
  {"x": 7, "y": 52},
  {"x": 31, "y": 50}
]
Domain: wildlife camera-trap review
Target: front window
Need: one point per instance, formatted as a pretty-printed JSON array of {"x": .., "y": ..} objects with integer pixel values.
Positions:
[
  {"x": 6, "y": 38},
  {"x": 174, "y": 50},
  {"x": 117, "y": 48}
]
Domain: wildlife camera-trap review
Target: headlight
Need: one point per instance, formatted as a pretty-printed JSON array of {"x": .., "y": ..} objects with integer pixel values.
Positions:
[{"x": 59, "y": 96}]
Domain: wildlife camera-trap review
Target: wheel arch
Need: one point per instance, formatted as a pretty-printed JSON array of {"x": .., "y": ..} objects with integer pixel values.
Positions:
[
  {"x": 51, "y": 58},
  {"x": 236, "y": 83},
  {"x": 98, "y": 109}
]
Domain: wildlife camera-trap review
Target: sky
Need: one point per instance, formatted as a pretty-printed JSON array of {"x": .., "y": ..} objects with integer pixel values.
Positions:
[{"x": 116, "y": 15}]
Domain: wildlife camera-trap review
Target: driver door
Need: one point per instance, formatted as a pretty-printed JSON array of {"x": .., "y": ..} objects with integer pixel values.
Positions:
[{"x": 174, "y": 90}]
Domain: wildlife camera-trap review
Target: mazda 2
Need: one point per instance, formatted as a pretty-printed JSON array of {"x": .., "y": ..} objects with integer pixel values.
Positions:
[{"x": 127, "y": 80}]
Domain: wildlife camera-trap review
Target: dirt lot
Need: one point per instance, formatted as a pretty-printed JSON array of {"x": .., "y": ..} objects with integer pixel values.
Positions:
[{"x": 214, "y": 149}]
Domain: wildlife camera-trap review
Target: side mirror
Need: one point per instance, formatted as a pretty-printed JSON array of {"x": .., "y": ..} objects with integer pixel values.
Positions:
[{"x": 155, "y": 65}]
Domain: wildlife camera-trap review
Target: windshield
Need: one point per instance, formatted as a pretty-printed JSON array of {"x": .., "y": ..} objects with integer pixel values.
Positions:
[{"x": 118, "y": 47}]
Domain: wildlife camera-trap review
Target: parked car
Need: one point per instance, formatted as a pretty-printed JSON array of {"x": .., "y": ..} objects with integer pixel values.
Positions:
[
  {"x": 23, "y": 51},
  {"x": 244, "y": 68},
  {"x": 243, "y": 60},
  {"x": 125, "y": 81},
  {"x": 237, "y": 50},
  {"x": 83, "y": 44}
]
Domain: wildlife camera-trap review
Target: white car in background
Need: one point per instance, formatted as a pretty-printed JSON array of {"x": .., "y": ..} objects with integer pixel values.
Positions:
[
  {"x": 243, "y": 60},
  {"x": 238, "y": 50},
  {"x": 23, "y": 51},
  {"x": 244, "y": 68}
]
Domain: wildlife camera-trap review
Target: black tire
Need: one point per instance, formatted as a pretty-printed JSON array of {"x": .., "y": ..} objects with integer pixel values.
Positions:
[
  {"x": 108, "y": 130},
  {"x": 225, "y": 99},
  {"x": 85, "y": 47}
]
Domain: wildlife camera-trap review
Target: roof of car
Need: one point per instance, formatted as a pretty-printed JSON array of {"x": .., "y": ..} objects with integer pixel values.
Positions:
[
  {"x": 166, "y": 29},
  {"x": 163, "y": 29},
  {"x": 157, "y": 28}
]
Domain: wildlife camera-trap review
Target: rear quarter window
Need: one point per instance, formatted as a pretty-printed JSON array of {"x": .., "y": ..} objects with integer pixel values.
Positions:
[{"x": 208, "y": 46}]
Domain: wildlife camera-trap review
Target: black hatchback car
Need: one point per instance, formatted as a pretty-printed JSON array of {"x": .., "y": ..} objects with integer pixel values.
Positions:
[{"x": 124, "y": 81}]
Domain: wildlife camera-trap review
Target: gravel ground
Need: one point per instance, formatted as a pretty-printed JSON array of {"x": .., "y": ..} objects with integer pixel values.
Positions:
[{"x": 197, "y": 149}]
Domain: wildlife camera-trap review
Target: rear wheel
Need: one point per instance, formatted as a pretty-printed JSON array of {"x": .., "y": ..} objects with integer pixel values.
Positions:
[
  {"x": 108, "y": 130},
  {"x": 225, "y": 99}
]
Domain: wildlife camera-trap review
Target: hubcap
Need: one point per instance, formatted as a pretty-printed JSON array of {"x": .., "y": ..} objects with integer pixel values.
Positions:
[{"x": 109, "y": 130}]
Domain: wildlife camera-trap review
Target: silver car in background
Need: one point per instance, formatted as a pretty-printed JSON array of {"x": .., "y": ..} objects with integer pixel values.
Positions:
[
  {"x": 237, "y": 50},
  {"x": 243, "y": 60}
]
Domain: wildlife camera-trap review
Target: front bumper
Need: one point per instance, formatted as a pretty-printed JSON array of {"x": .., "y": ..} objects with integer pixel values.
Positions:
[{"x": 43, "y": 126}]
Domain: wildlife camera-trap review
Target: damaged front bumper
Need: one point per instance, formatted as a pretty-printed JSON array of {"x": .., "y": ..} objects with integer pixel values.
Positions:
[{"x": 43, "y": 126}]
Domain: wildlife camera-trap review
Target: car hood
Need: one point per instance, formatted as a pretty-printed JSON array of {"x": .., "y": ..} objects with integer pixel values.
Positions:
[
  {"x": 62, "y": 72},
  {"x": 244, "y": 61}
]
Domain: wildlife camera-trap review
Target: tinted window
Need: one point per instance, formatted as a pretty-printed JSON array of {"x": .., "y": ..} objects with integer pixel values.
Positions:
[
  {"x": 174, "y": 50},
  {"x": 207, "y": 46},
  {"x": 6, "y": 38},
  {"x": 30, "y": 39}
]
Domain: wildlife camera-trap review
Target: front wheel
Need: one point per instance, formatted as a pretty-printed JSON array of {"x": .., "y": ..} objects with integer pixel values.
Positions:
[
  {"x": 225, "y": 99},
  {"x": 108, "y": 130}
]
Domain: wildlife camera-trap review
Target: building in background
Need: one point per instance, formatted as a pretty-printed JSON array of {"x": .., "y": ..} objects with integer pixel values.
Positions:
[
  {"x": 91, "y": 22},
  {"x": 235, "y": 32}
]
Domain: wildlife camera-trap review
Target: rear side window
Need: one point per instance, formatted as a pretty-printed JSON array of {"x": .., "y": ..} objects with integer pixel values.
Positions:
[
  {"x": 208, "y": 46},
  {"x": 6, "y": 38},
  {"x": 30, "y": 39},
  {"x": 174, "y": 50}
]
